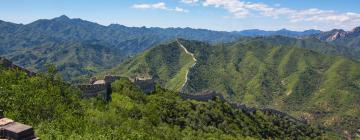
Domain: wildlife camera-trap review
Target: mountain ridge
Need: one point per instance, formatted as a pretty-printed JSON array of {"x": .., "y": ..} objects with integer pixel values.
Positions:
[
  {"x": 283, "y": 32},
  {"x": 59, "y": 34},
  {"x": 25, "y": 44}
]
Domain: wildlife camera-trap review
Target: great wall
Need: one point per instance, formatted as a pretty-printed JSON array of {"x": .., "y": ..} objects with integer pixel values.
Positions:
[
  {"x": 188, "y": 71},
  {"x": 103, "y": 87},
  {"x": 8, "y": 64},
  {"x": 98, "y": 87},
  {"x": 211, "y": 95}
]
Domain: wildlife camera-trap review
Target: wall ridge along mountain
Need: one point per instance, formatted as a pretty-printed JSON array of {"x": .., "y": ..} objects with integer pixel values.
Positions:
[{"x": 187, "y": 73}]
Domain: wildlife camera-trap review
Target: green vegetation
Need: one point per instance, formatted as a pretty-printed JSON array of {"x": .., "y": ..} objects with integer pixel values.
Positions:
[
  {"x": 55, "y": 110},
  {"x": 81, "y": 48},
  {"x": 271, "y": 72},
  {"x": 167, "y": 65},
  {"x": 74, "y": 60}
]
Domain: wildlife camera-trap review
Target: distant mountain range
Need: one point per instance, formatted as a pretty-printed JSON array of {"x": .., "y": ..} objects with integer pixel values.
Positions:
[
  {"x": 282, "y": 32},
  {"x": 83, "y": 47},
  {"x": 80, "y": 47}
]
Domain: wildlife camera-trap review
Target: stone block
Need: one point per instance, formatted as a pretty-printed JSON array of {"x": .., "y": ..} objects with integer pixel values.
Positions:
[{"x": 14, "y": 130}]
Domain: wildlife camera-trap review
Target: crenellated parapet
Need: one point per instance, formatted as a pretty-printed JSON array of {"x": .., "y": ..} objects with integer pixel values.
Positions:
[
  {"x": 111, "y": 78},
  {"x": 202, "y": 96},
  {"x": 146, "y": 84},
  {"x": 98, "y": 87}
]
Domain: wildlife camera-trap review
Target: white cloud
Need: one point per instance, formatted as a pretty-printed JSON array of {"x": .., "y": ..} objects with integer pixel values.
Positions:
[
  {"x": 189, "y": 1},
  {"x": 177, "y": 9},
  {"x": 160, "y": 5},
  {"x": 242, "y": 9}
]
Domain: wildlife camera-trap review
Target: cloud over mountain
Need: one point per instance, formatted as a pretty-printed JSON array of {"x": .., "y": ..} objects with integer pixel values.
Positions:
[
  {"x": 160, "y": 5},
  {"x": 244, "y": 9}
]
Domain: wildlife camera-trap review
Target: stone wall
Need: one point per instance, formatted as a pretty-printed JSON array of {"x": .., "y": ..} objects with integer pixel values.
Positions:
[
  {"x": 8, "y": 64},
  {"x": 146, "y": 85},
  {"x": 104, "y": 89},
  {"x": 203, "y": 96},
  {"x": 92, "y": 90},
  {"x": 270, "y": 111},
  {"x": 210, "y": 95}
]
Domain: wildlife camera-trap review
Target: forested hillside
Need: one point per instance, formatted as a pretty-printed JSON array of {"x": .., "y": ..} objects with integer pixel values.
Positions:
[
  {"x": 56, "y": 111},
  {"x": 84, "y": 47},
  {"x": 273, "y": 72}
]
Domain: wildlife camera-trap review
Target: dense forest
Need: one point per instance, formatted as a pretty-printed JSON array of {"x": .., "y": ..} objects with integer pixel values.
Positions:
[
  {"x": 56, "y": 111},
  {"x": 275, "y": 72}
]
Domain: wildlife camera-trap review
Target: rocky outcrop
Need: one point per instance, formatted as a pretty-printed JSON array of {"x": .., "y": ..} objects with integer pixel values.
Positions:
[{"x": 338, "y": 34}]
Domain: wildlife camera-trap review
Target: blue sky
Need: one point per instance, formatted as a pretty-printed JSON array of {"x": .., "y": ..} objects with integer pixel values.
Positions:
[{"x": 227, "y": 15}]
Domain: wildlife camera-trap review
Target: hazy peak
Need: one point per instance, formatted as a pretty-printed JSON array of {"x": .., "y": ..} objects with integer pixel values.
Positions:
[{"x": 62, "y": 17}]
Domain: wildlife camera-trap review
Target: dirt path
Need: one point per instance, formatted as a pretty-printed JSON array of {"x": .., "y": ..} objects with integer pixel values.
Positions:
[{"x": 193, "y": 56}]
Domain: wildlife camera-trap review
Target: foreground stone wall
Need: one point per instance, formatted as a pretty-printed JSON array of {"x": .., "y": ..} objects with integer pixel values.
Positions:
[{"x": 12, "y": 130}]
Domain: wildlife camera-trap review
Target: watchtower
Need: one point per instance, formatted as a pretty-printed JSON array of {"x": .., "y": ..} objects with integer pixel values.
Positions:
[{"x": 99, "y": 87}]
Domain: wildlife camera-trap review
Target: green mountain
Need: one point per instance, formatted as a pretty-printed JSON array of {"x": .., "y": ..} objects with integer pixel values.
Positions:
[
  {"x": 96, "y": 46},
  {"x": 100, "y": 47},
  {"x": 274, "y": 72},
  {"x": 34, "y": 44},
  {"x": 56, "y": 111},
  {"x": 168, "y": 63},
  {"x": 74, "y": 60}
]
